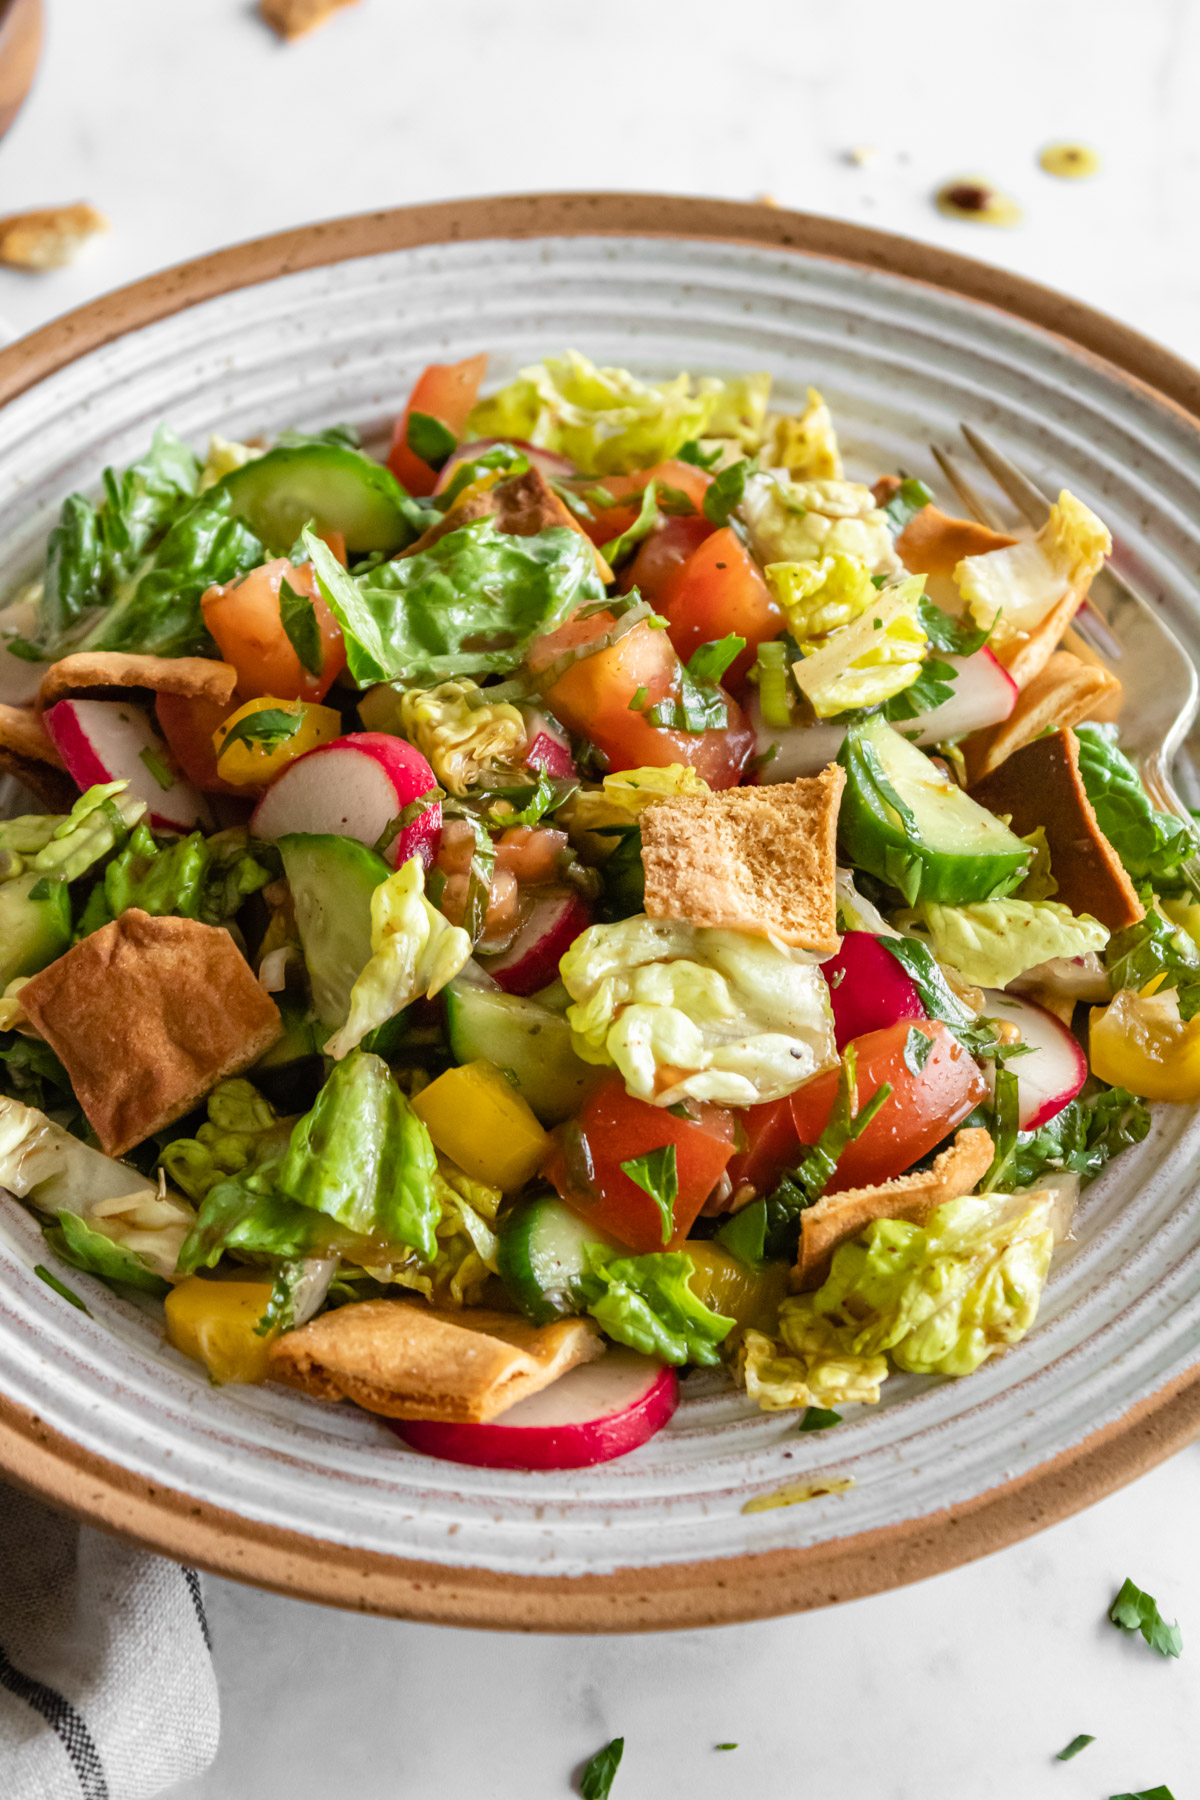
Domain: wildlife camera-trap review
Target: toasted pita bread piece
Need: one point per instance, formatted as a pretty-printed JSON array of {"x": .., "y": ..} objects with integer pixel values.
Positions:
[
  {"x": 837, "y": 1217},
  {"x": 934, "y": 542},
  {"x": 292, "y": 18},
  {"x": 748, "y": 859},
  {"x": 146, "y": 1015},
  {"x": 407, "y": 1360},
  {"x": 523, "y": 505},
  {"x": 1040, "y": 784},
  {"x": 49, "y": 237},
  {"x": 1064, "y": 692},
  {"x": 192, "y": 677},
  {"x": 27, "y": 752}
]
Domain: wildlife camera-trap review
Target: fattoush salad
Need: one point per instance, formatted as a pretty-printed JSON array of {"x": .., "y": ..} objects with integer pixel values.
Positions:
[{"x": 599, "y": 895}]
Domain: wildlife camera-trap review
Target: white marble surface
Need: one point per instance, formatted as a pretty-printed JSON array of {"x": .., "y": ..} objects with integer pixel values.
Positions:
[{"x": 191, "y": 127}]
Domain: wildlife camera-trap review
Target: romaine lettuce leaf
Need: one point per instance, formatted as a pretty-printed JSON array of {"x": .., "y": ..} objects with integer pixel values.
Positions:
[
  {"x": 806, "y": 521},
  {"x": 873, "y": 658},
  {"x": 362, "y": 1157},
  {"x": 1152, "y": 845},
  {"x": 239, "y": 1126},
  {"x": 414, "y": 950},
  {"x": 465, "y": 738},
  {"x": 991, "y": 942},
  {"x": 805, "y": 444},
  {"x": 77, "y": 1243},
  {"x": 647, "y": 1302},
  {"x": 1013, "y": 589},
  {"x": 193, "y": 877},
  {"x": 471, "y": 604},
  {"x": 938, "y": 1299},
  {"x": 1156, "y": 946},
  {"x": 606, "y": 420},
  {"x": 100, "y": 819},
  {"x": 813, "y": 1365},
  {"x": 736, "y": 1017}
]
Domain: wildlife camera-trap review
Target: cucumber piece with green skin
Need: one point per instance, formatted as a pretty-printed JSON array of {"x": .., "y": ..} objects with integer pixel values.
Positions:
[
  {"x": 332, "y": 879},
  {"x": 531, "y": 1045},
  {"x": 541, "y": 1257},
  {"x": 324, "y": 485},
  {"x": 905, "y": 821},
  {"x": 33, "y": 931}
]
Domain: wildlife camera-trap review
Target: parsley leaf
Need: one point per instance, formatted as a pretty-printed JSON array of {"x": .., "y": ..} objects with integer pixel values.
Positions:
[
  {"x": 819, "y": 1418},
  {"x": 270, "y": 726},
  {"x": 694, "y": 707},
  {"x": 547, "y": 796},
  {"x": 726, "y": 490},
  {"x": 956, "y": 637},
  {"x": 656, "y": 1174},
  {"x": 1074, "y": 1747},
  {"x": 1155, "y": 1793},
  {"x": 1083, "y": 1137},
  {"x": 939, "y": 999},
  {"x": 933, "y": 687},
  {"x": 408, "y": 815},
  {"x": 709, "y": 661},
  {"x": 910, "y": 498},
  {"x": 157, "y": 766},
  {"x": 1133, "y": 1610},
  {"x": 694, "y": 452},
  {"x": 298, "y": 616},
  {"x": 1151, "y": 947},
  {"x": 43, "y": 888},
  {"x": 918, "y": 1048},
  {"x": 597, "y": 1778},
  {"x": 59, "y": 1287},
  {"x": 618, "y": 548},
  {"x": 429, "y": 439},
  {"x": 1004, "y": 1126}
]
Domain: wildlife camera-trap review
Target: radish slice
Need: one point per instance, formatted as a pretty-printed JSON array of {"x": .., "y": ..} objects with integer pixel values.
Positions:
[
  {"x": 868, "y": 988},
  {"x": 589, "y": 1415},
  {"x": 531, "y": 960},
  {"x": 548, "y": 461},
  {"x": 355, "y": 787},
  {"x": 984, "y": 693},
  {"x": 113, "y": 740},
  {"x": 1049, "y": 1078},
  {"x": 546, "y": 746}
]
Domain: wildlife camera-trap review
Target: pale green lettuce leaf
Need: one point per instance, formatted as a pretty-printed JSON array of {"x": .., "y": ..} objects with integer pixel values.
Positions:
[
  {"x": 647, "y": 1302},
  {"x": 83, "y": 1247},
  {"x": 805, "y": 443},
  {"x": 873, "y": 658},
  {"x": 745, "y": 1016},
  {"x": 101, "y": 818},
  {"x": 1015, "y": 587},
  {"x": 814, "y": 1365},
  {"x": 240, "y": 1123},
  {"x": 991, "y": 942},
  {"x": 806, "y": 521},
  {"x": 414, "y": 950}
]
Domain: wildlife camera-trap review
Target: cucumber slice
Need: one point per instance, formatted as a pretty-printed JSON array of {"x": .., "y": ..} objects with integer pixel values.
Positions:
[
  {"x": 905, "y": 821},
  {"x": 33, "y": 932},
  {"x": 540, "y": 1257},
  {"x": 531, "y": 1045},
  {"x": 333, "y": 488},
  {"x": 332, "y": 879}
]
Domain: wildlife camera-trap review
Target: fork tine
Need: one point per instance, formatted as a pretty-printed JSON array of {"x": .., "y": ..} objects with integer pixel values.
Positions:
[
  {"x": 1028, "y": 499},
  {"x": 971, "y": 498}
]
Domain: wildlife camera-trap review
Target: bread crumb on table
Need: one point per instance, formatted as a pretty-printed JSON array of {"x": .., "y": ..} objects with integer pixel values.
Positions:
[
  {"x": 293, "y": 18},
  {"x": 49, "y": 237}
]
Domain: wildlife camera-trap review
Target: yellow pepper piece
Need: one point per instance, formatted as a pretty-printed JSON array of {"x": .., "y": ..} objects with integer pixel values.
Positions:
[
  {"x": 475, "y": 1118},
  {"x": 1138, "y": 1041},
  {"x": 267, "y": 735},
  {"x": 728, "y": 1286},
  {"x": 213, "y": 1323}
]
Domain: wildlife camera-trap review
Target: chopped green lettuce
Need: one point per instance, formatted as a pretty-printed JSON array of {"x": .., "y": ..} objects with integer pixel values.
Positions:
[
  {"x": 1156, "y": 946},
  {"x": 1152, "y": 845},
  {"x": 647, "y": 1302},
  {"x": 874, "y": 658},
  {"x": 1014, "y": 588},
  {"x": 471, "y": 604},
  {"x": 1082, "y": 1138},
  {"x": 739, "y": 1018},
  {"x": 805, "y": 443},
  {"x": 239, "y": 1124},
  {"x": 813, "y": 1364},
  {"x": 991, "y": 942},
  {"x": 606, "y": 420},
  {"x": 192, "y": 877},
  {"x": 805, "y": 521},
  {"x": 79, "y": 1244},
  {"x": 100, "y": 819}
]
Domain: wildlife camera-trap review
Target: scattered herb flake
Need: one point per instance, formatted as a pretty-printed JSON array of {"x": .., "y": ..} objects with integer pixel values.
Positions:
[
  {"x": 1133, "y": 1610},
  {"x": 271, "y": 725},
  {"x": 710, "y": 661},
  {"x": 639, "y": 699},
  {"x": 1074, "y": 1747},
  {"x": 60, "y": 1287},
  {"x": 157, "y": 766},
  {"x": 819, "y": 1418},
  {"x": 298, "y": 616},
  {"x": 724, "y": 1746},
  {"x": 694, "y": 452},
  {"x": 910, "y": 498},
  {"x": 597, "y": 1778},
  {"x": 429, "y": 439},
  {"x": 918, "y": 1048},
  {"x": 725, "y": 491},
  {"x": 42, "y": 890}
]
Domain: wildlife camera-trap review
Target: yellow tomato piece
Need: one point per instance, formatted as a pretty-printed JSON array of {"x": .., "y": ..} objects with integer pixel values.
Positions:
[
  {"x": 269, "y": 739},
  {"x": 1138, "y": 1041},
  {"x": 475, "y": 1118},
  {"x": 728, "y": 1286},
  {"x": 213, "y": 1323}
]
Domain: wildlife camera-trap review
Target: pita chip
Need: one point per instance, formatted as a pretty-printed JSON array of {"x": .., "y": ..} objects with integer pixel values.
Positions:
[
  {"x": 192, "y": 677},
  {"x": 1065, "y": 692},
  {"x": 27, "y": 753},
  {"x": 406, "y": 1360}
]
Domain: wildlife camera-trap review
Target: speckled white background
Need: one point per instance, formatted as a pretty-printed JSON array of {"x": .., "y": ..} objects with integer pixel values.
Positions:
[{"x": 191, "y": 127}]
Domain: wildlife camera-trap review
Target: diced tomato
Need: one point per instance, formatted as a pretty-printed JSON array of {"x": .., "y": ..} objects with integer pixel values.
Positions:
[
  {"x": 446, "y": 391},
  {"x": 187, "y": 722},
  {"x": 594, "y": 696},
  {"x": 720, "y": 590},
  {"x": 586, "y": 1154},
  {"x": 771, "y": 1145},
  {"x": 663, "y": 551},
  {"x": 609, "y": 522},
  {"x": 922, "y": 1109},
  {"x": 245, "y": 620}
]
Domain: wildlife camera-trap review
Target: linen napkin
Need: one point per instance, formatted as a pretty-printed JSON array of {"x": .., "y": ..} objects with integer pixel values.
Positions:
[{"x": 107, "y": 1689}]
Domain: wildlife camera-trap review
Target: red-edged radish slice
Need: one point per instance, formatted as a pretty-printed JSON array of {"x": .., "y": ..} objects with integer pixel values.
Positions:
[
  {"x": 1049, "y": 1078},
  {"x": 984, "y": 693},
  {"x": 113, "y": 740},
  {"x": 355, "y": 787},
  {"x": 548, "y": 461},
  {"x": 531, "y": 960},
  {"x": 547, "y": 747},
  {"x": 589, "y": 1415},
  {"x": 868, "y": 988}
]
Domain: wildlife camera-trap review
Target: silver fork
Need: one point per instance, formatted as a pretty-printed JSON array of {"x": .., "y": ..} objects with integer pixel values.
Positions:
[{"x": 1121, "y": 630}]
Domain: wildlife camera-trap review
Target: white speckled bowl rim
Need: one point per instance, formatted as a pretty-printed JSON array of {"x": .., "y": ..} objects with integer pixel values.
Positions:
[{"x": 334, "y": 321}]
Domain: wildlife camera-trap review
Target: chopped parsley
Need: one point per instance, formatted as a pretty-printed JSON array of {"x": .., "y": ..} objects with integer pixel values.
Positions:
[
  {"x": 298, "y": 616},
  {"x": 656, "y": 1174},
  {"x": 596, "y": 1779},
  {"x": 1133, "y": 1610}
]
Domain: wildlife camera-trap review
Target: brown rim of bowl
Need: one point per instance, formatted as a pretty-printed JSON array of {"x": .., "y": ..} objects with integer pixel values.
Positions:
[{"x": 714, "y": 1592}]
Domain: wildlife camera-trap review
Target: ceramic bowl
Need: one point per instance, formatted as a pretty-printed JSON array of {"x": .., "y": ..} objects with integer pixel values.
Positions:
[{"x": 334, "y": 322}]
